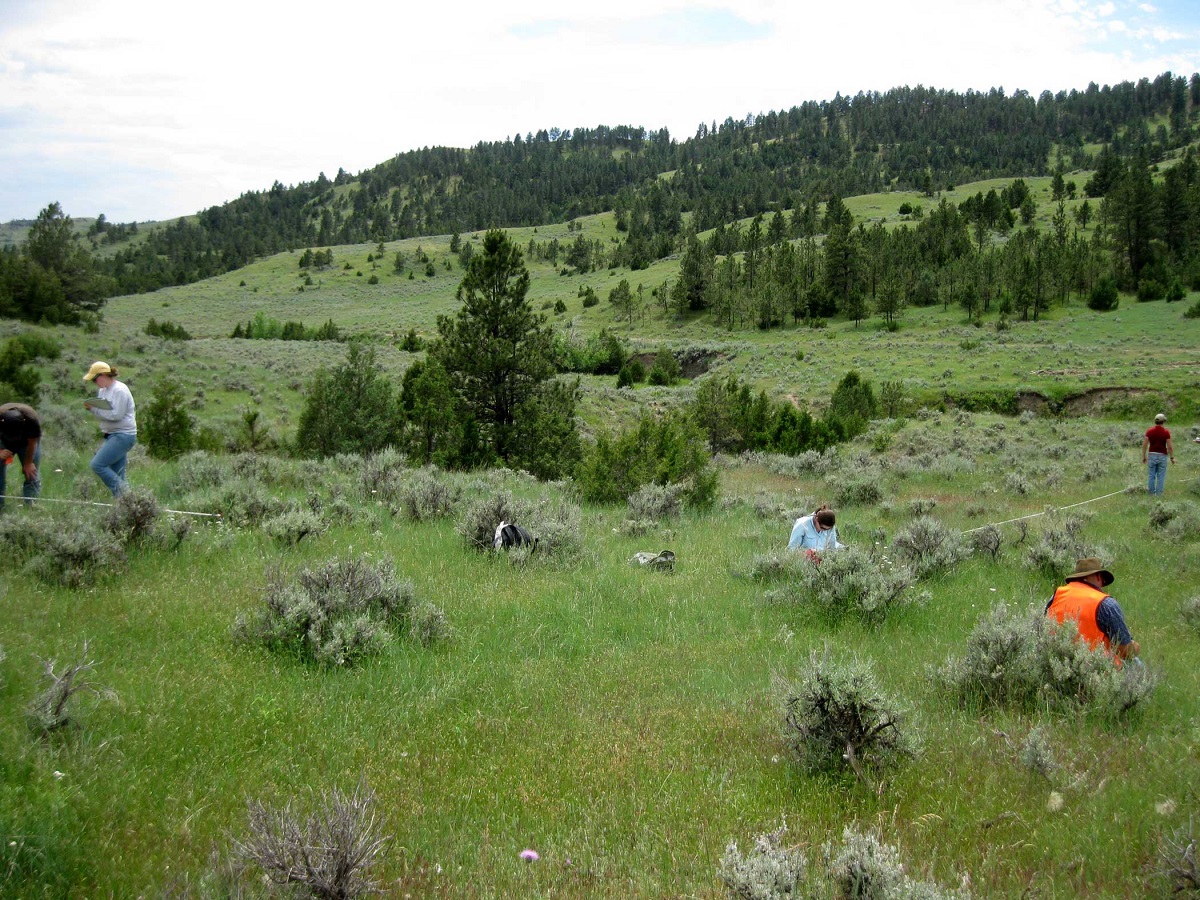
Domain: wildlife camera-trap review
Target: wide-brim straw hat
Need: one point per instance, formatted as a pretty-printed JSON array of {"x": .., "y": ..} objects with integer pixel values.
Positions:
[{"x": 1090, "y": 565}]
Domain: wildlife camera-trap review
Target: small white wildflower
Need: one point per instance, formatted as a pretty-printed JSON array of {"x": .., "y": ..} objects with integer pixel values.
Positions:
[
  {"x": 1055, "y": 802},
  {"x": 58, "y": 774}
]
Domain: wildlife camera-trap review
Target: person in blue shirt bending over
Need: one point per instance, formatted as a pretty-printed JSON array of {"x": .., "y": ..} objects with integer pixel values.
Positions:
[{"x": 816, "y": 532}]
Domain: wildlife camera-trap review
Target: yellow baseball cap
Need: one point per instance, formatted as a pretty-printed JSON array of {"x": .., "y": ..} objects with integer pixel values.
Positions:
[{"x": 98, "y": 368}]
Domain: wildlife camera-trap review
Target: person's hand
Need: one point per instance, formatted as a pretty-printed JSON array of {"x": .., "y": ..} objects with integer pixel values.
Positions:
[
  {"x": 30, "y": 471},
  {"x": 6, "y": 455},
  {"x": 87, "y": 405}
]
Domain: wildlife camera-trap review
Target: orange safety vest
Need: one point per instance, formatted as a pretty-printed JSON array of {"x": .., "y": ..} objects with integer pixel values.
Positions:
[{"x": 1078, "y": 601}]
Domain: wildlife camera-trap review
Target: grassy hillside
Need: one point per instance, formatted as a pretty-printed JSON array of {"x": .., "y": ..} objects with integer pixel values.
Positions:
[{"x": 621, "y": 722}]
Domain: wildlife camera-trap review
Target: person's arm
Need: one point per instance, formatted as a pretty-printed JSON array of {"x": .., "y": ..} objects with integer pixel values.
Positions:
[
  {"x": 121, "y": 401},
  {"x": 30, "y": 466},
  {"x": 1111, "y": 621},
  {"x": 799, "y": 538},
  {"x": 1128, "y": 651},
  {"x": 1145, "y": 446},
  {"x": 1171, "y": 449}
]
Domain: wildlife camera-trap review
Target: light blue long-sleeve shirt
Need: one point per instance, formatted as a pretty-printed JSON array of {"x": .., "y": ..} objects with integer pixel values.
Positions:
[{"x": 806, "y": 537}]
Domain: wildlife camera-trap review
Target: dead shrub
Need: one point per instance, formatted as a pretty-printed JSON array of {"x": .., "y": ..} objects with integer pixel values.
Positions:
[
  {"x": 52, "y": 709},
  {"x": 327, "y": 853}
]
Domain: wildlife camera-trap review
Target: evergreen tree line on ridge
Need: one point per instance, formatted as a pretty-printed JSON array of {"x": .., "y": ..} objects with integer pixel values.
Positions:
[{"x": 907, "y": 139}]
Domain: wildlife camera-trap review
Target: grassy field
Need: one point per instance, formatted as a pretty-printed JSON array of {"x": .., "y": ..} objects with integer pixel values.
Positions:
[{"x": 622, "y": 723}]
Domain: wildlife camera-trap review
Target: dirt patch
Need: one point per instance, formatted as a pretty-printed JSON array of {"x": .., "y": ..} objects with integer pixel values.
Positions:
[
  {"x": 1032, "y": 401},
  {"x": 693, "y": 362},
  {"x": 1092, "y": 402},
  {"x": 1097, "y": 400}
]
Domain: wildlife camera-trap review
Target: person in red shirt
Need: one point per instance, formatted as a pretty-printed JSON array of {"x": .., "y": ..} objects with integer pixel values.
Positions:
[{"x": 1156, "y": 448}]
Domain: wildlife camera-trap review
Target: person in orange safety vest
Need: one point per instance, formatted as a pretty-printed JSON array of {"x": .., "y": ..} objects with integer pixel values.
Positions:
[{"x": 1097, "y": 615}]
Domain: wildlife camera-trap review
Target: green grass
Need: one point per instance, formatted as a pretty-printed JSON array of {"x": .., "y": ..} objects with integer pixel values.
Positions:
[
  {"x": 620, "y": 722},
  {"x": 601, "y": 714}
]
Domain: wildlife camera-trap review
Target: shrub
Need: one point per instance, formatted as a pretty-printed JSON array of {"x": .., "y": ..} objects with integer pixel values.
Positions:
[
  {"x": 836, "y": 717},
  {"x": 860, "y": 490},
  {"x": 1177, "y": 521},
  {"x": 1058, "y": 545},
  {"x": 71, "y": 552},
  {"x": 1190, "y": 610},
  {"x": 921, "y": 506},
  {"x": 666, "y": 451},
  {"x": 769, "y": 871},
  {"x": 167, "y": 427},
  {"x": 861, "y": 867},
  {"x": 167, "y": 330},
  {"x": 1193, "y": 311},
  {"x": 333, "y": 615},
  {"x": 383, "y": 474},
  {"x": 777, "y": 565},
  {"x": 655, "y": 502},
  {"x": 1027, "y": 661},
  {"x": 631, "y": 373},
  {"x": 864, "y": 867},
  {"x": 239, "y": 501},
  {"x": 425, "y": 495},
  {"x": 198, "y": 470},
  {"x": 1178, "y": 864},
  {"x": 665, "y": 370},
  {"x": 430, "y": 625},
  {"x": 557, "y": 526},
  {"x": 133, "y": 516},
  {"x": 49, "y": 711},
  {"x": 329, "y": 853},
  {"x": 484, "y": 513},
  {"x": 850, "y": 582},
  {"x": 292, "y": 526},
  {"x": 1037, "y": 754},
  {"x": 1104, "y": 296},
  {"x": 929, "y": 547},
  {"x": 987, "y": 540}
]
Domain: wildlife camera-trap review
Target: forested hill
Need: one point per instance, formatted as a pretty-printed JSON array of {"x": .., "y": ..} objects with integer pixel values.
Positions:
[{"x": 907, "y": 138}]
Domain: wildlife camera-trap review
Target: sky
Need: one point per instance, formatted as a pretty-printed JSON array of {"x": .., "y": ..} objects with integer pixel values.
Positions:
[{"x": 147, "y": 110}]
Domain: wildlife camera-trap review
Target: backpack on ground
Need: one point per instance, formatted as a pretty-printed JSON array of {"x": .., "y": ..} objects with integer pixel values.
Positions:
[{"x": 510, "y": 535}]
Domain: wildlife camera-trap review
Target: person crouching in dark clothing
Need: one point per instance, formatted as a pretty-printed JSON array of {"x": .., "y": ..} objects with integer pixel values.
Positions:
[{"x": 20, "y": 438}]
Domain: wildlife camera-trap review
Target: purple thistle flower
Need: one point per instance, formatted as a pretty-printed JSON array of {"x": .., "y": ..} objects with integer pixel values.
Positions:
[{"x": 529, "y": 855}]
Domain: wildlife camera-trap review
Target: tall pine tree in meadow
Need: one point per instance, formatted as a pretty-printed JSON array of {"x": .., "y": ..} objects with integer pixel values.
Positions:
[{"x": 498, "y": 354}]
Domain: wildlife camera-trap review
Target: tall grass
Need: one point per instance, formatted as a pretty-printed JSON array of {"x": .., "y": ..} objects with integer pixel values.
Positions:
[{"x": 621, "y": 723}]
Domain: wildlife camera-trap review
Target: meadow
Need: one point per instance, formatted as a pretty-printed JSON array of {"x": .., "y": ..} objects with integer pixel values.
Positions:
[{"x": 625, "y": 724}]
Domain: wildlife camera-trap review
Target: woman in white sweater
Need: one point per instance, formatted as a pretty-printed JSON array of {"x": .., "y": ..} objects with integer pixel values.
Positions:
[{"x": 116, "y": 418}]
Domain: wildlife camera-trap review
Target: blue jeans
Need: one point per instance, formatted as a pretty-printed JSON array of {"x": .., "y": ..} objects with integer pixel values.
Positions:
[
  {"x": 32, "y": 488},
  {"x": 1157, "y": 467},
  {"x": 109, "y": 461}
]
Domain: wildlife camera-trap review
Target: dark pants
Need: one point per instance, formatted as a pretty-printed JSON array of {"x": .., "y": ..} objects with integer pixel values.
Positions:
[{"x": 33, "y": 487}]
